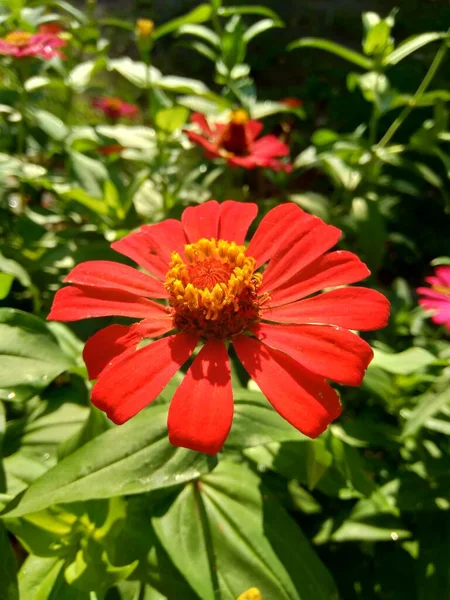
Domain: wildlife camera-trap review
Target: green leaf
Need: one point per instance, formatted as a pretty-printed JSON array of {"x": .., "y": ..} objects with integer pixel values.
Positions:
[
  {"x": 226, "y": 527},
  {"x": 113, "y": 200},
  {"x": 30, "y": 358},
  {"x": 202, "y": 32},
  {"x": 337, "y": 49},
  {"x": 13, "y": 268},
  {"x": 171, "y": 119},
  {"x": 403, "y": 363},
  {"x": 314, "y": 203},
  {"x": 429, "y": 404},
  {"x": 229, "y": 11},
  {"x": 51, "y": 125},
  {"x": 41, "y": 578},
  {"x": 371, "y": 231},
  {"x": 319, "y": 459},
  {"x": 8, "y": 568},
  {"x": 184, "y": 85},
  {"x": 81, "y": 75},
  {"x": 411, "y": 45},
  {"x": 134, "y": 71},
  {"x": 377, "y": 39},
  {"x": 261, "y": 27},
  {"x": 131, "y": 459},
  {"x": 97, "y": 205},
  {"x": 91, "y": 173},
  {"x": 5, "y": 284},
  {"x": 255, "y": 422},
  {"x": 200, "y": 14}
]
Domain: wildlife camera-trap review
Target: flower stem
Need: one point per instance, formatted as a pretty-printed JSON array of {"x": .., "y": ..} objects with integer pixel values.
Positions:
[{"x": 419, "y": 93}]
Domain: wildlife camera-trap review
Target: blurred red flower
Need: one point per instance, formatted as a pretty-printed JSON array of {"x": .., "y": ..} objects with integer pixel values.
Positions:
[
  {"x": 237, "y": 141},
  {"x": 292, "y": 102},
  {"x": 111, "y": 149},
  {"x": 53, "y": 28},
  {"x": 115, "y": 108},
  {"x": 21, "y": 44},
  {"x": 437, "y": 297},
  {"x": 288, "y": 339}
]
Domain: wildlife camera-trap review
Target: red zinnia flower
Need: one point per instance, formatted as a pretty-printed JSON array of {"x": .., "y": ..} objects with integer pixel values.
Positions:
[
  {"x": 237, "y": 142},
  {"x": 437, "y": 297},
  {"x": 50, "y": 28},
  {"x": 21, "y": 44},
  {"x": 292, "y": 102},
  {"x": 111, "y": 149},
  {"x": 216, "y": 295},
  {"x": 115, "y": 108}
]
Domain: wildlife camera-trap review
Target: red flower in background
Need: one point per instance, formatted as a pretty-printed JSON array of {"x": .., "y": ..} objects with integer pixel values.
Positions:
[
  {"x": 288, "y": 339},
  {"x": 115, "y": 108},
  {"x": 292, "y": 102},
  {"x": 21, "y": 44},
  {"x": 437, "y": 297},
  {"x": 53, "y": 28},
  {"x": 111, "y": 149},
  {"x": 238, "y": 142}
]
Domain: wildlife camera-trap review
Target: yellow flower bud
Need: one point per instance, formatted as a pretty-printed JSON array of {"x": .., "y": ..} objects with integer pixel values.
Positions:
[
  {"x": 144, "y": 28},
  {"x": 251, "y": 594}
]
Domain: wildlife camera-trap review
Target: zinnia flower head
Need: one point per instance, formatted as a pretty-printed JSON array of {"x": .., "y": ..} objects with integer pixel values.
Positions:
[
  {"x": 437, "y": 296},
  {"x": 22, "y": 44},
  {"x": 115, "y": 108},
  {"x": 292, "y": 102},
  {"x": 110, "y": 149},
  {"x": 239, "y": 143},
  {"x": 212, "y": 293},
  {"x": 53, "y": 28}
]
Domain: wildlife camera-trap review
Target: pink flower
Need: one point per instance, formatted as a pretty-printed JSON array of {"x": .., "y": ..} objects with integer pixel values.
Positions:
[
  {"x": 22, "y": 44},
  {"x": 437, "y": 297},
  {"x": 115, "y": 108},
  {"x": 237, "y": 141}
]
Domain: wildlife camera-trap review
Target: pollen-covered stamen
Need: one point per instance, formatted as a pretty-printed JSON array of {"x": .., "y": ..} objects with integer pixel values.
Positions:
[
  {"x": 234, "y": 140},
  {"x": 214, "y": 292},
  {"x": 19, "y": 39}
]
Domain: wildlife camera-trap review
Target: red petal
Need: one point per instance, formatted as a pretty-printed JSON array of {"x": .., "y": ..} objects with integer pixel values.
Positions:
[
  {"x": 235, "y": 219},
  {"x": 253, "y": 129},
  {"x": 197, "y": 138},
  {"x": 74, "y": 303},
  {"x": 329, "y": 270},
  {"x": 102, "y": 347},
  {"x": 113, "y": 275},
  {"x": 302, "y": 398},
  {"x": 278, "y": 224},
  {"x": 312, "y": 240},
  {"x": 352, "y": 308},
  {"x": 152, "y": 245},
  {"x": 201, "y": 411},
  {"x": 134, "y": 379},
  {"x": 201, "y": 221},
  {"x": 269, "y": 146},
  {"x": 332, "y": 352},
  {"x": 246, "y": 162},
  {"x": 202, "y": 123}
]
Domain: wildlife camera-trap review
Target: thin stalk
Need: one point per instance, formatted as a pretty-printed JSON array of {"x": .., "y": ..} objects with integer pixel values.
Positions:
[
  {"x": 215, "y": 19},
  {"x": 419, "y": 93}
]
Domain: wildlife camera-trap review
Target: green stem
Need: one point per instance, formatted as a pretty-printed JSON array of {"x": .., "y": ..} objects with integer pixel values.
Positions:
[
  {"x": 215, "y": 19},
  {"x": 419, "y": 93}
]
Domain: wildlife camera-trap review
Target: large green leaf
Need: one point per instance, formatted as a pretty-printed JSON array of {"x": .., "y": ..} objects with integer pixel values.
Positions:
[
  {"x": 256, "y": 422},
  {"x": 30, "y": 358},
  {"x": 131, "y": 459},
  {"x": 42, "y": 578},
  {"x": 226, "y": 533},
  {"x": 51, "y": 124},
  {"x": 341, "y": 51},
  {"x": 429, "y": 404}
]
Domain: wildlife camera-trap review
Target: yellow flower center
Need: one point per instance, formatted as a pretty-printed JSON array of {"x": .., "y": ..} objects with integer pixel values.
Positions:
[
  {"x": 214, "y": 291},
  {"x": 113, "y": 103},
  {"x": 442, "y": 289},
  {"x": 239, "y": 117},
  {"x": 18, "y": 38},
  {"x": 251, "y": 594}
]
